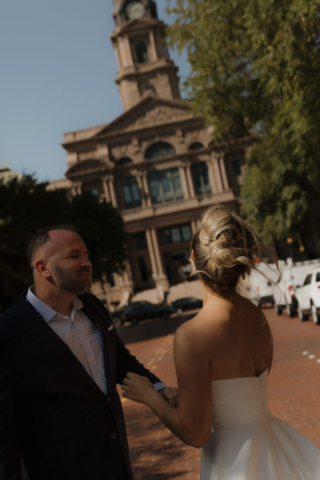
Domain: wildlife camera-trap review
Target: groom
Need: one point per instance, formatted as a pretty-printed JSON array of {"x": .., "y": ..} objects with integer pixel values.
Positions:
[{"x": 60, "y": 361}]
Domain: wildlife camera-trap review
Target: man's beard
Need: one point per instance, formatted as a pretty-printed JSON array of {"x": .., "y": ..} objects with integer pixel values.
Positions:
[{"x": 70, "y": 282}]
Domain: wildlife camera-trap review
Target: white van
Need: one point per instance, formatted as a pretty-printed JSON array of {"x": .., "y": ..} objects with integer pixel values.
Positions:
[
  {"x": 308, "y": 297},
  {"x": 262, "y": 282},
  {"x": 293, "y": 276}
]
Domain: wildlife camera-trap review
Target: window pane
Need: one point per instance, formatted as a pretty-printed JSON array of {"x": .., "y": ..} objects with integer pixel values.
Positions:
[
  {"x": 166, "y": 185},
  {"x": 131, "y": 193},
  {"x": 318, "y": 277},
  {"x": 127, "y": 194},
  {"x": 200, "y": 178},
  {"x": 155, "y": 188},
  {"x": 186, "y": 232},
  {"x": 176, "y": 235},
  {"x": 135, "y": 193},
  {"x": 165, "y": 236},
  {"x": 177, "y": 187}
]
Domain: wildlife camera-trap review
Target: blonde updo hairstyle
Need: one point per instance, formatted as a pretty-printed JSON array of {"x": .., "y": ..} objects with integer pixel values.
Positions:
[{"x": 224, "y": 247}]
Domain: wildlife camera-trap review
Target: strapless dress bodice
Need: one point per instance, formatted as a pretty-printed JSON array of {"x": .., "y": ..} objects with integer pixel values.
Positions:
[
  {"x": 248, "y": 443},
  {"x": 238, "y": 401}
]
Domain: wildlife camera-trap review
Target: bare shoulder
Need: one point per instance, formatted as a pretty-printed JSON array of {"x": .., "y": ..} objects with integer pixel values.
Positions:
[{"x": 207, "y": 328}]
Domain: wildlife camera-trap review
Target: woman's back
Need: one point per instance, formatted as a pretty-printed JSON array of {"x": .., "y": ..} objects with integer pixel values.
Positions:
[{"x": 234, "y": 337}]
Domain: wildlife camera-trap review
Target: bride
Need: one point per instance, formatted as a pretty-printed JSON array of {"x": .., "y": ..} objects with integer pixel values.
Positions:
[{"x": 222, "y": 358}]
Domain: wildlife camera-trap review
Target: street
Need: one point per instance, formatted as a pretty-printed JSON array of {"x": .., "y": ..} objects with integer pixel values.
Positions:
[{"x": 294, "y": 392}]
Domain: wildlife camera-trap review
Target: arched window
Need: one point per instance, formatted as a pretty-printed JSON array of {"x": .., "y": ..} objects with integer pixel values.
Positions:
[
  {"x": 160, "y": 150},
  {"x": 196, "y": 146},
  {"x": 123, "y": 161},
  {"x": 142, "y": 52}
]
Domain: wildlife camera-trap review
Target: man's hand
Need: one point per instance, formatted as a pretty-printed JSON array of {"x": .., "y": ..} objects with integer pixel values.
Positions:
[{"x": 171, "y": 395}]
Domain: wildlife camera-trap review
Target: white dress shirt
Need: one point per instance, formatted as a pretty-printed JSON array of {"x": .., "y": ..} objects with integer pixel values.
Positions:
[{"x": 81, "y": 336}]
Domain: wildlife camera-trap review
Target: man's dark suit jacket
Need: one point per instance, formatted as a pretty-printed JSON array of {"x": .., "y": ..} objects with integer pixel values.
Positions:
[{"x": 51, "y": 410}]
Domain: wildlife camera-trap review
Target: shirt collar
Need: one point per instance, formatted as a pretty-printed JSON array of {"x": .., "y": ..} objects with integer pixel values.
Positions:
[{"x": 44, "y": 310}]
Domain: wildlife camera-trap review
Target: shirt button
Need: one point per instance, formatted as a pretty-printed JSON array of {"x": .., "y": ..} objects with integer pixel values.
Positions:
[
  {"x": 114, "y": 435},
  {"x": 109, "y": 399}
]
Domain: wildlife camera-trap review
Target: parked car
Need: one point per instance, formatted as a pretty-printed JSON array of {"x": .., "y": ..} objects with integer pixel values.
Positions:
[
  {"x": 136, "y": 311},
  {"x": 308, "y": 297},
  {"x": 262, "y": 281},
  {"x": 292, "y": 277},
  {"x": 187, "y": 303}
]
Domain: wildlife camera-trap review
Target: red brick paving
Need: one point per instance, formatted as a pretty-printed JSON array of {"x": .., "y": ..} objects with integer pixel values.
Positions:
[{"x": 294, "y": 394}]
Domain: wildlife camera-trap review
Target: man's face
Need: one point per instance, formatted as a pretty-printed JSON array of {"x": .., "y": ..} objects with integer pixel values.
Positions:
[{"x": 68, "y": 262}]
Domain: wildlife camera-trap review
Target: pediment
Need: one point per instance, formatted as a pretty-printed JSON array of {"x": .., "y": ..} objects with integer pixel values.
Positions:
[
  {"x": 136, "y": 24},
  {"x": 149, "y": 113},
  {"x": 88, "y": 166}
]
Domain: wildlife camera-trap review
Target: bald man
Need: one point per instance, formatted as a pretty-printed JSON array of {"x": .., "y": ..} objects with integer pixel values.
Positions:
[{"x": 60, "y": 361}]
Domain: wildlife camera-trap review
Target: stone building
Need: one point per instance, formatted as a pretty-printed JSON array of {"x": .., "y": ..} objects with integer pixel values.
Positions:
[{"x": 156, "y": 162}]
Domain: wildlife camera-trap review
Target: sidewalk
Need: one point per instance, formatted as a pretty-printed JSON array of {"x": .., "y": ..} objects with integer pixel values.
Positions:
[{"x": 294, "y": 394}]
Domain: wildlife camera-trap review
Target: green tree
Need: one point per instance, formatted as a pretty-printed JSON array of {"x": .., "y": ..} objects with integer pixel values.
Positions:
[
  {"x": 255, "y": 72},
  {"x": 26, "y": 206}
]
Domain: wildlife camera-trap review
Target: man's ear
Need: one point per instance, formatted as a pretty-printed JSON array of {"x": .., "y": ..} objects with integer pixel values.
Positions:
[
  {"x": 41, "y": 267},
  {"x": 193, "y": 255}
]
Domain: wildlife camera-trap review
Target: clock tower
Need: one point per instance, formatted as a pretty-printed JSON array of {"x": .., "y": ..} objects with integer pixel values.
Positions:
[{"x": 144, "y": 65}]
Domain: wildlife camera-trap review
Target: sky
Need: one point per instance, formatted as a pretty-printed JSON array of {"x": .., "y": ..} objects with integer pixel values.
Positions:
[{"x": 57, "y": 75}]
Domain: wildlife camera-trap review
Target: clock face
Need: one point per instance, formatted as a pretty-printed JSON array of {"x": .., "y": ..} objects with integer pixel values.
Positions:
[{"x": 134, "y": 10}]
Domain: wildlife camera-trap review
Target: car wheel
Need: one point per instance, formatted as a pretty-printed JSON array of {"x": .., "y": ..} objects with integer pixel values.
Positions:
[
  {"x": 165, "y": 314},
  {"x": 278, "y": 309},
  {"x": 315, "y": 315},
  {"x": 290, "y": 310},
  {"x": 117, "y": 322},
  {"x": 303, "y": 316},
  {"x": 134, "y": 321}
]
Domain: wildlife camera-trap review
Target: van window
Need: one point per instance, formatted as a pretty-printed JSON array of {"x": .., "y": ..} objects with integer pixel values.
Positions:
[
  {"x": 307, "y": 280},
  {"x": 318, "y": 277}
]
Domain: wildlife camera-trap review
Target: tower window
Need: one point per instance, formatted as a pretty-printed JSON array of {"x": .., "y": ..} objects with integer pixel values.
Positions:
[
  {"x": 160, "y": 150},
  {"x": 142, "y": 52}
]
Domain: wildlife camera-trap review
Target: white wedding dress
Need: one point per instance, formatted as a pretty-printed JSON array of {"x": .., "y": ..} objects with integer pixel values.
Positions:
[{"x": 248, "y": 443}]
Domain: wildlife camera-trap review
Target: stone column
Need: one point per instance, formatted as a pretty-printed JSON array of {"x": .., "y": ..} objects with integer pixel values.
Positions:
[
  {"x": 141, "y": 189},
  {"x": 185, "y": 186},
  {"x": 152, "y": 53},
  {"x": 211, "y": 174},
  {"x": 223, "y": 172},
  {"x": 112, "y": 192},
  {"x": 217, "y": 174},
  {"x": 190, "y": 180},
  {"x": 151, "y": 253},
  {"x": 157, "y": 251},
  {"x": 146, "y": 189},
  {"x": 105, "y": 189}
]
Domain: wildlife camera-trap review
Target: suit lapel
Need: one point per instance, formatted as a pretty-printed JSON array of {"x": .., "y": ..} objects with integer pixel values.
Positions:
[{"x": 37, "y": 328}]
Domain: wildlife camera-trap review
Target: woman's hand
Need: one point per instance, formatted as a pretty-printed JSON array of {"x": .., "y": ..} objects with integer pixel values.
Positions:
[{"x": 137, "y": 388}]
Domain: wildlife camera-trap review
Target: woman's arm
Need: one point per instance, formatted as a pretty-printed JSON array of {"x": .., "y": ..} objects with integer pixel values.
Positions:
[{"x": 191, "y": 421}]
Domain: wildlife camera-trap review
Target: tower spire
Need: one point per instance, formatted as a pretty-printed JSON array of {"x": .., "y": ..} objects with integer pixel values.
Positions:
[{"x": 144, "y": 65}]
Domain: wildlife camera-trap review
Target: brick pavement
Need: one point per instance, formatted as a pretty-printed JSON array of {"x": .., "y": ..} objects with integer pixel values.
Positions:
[{"x": 294, "y": 393}]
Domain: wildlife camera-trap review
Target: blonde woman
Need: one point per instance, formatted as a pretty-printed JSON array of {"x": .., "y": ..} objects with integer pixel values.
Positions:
[{"x": 223, "y": 357}]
